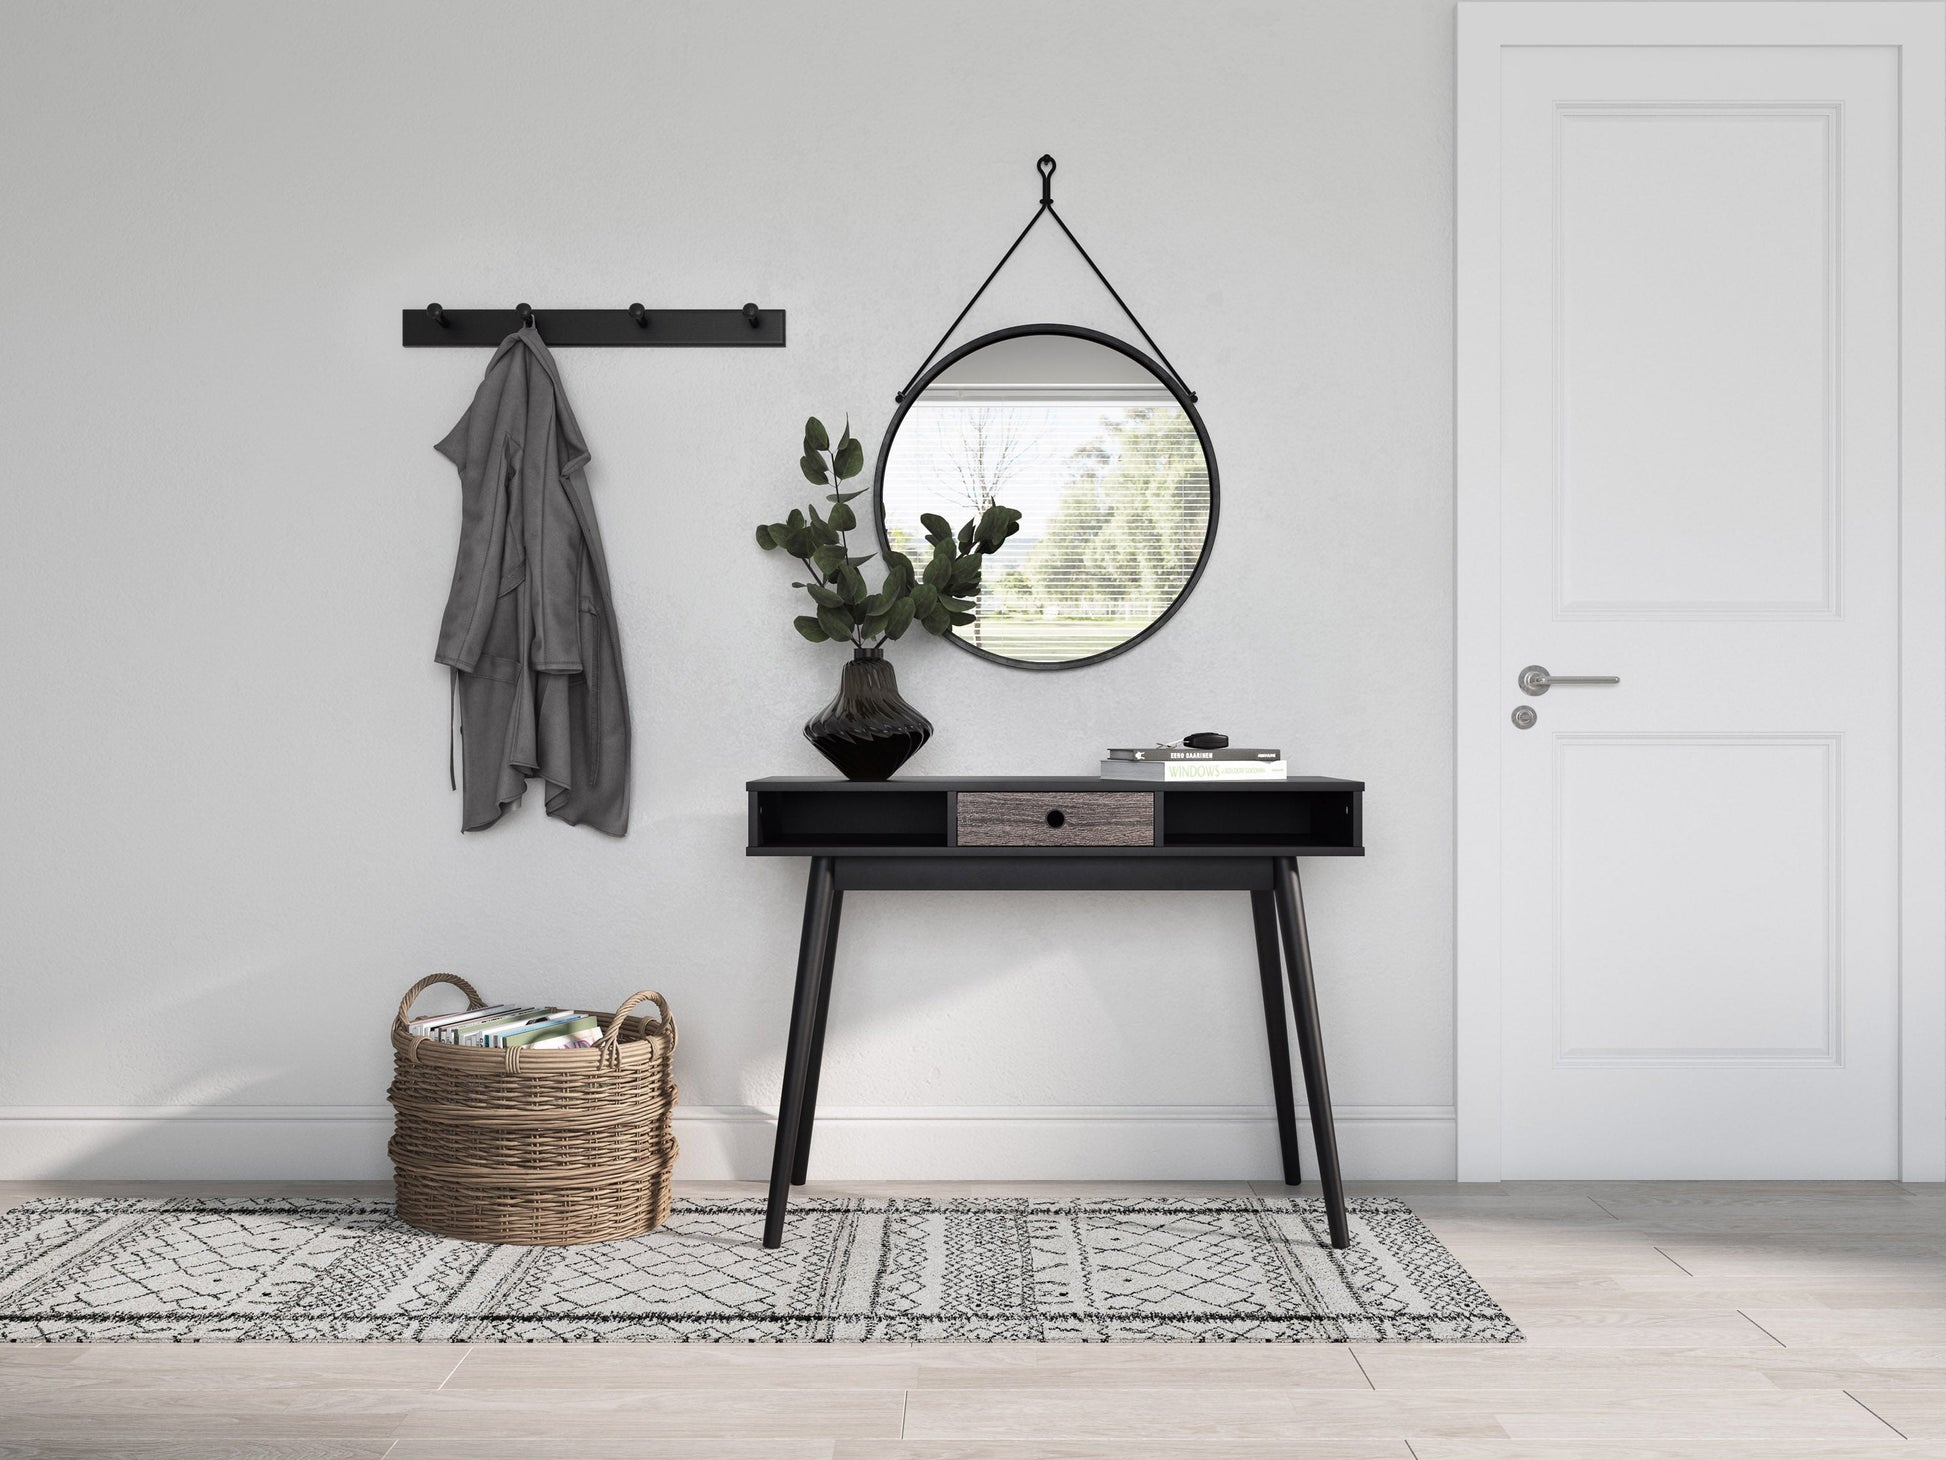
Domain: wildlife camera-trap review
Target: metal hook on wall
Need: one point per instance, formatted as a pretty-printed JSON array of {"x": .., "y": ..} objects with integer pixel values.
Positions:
[
  {"x": 438, "y": 315},
  {"x": 751, "y": 313},
  {"x": 526, "y": 314},
  {"x": 640, "y": 315}
]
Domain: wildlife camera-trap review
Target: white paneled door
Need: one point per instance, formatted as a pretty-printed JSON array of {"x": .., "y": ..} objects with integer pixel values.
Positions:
[{"x": 1691, "y": 463}]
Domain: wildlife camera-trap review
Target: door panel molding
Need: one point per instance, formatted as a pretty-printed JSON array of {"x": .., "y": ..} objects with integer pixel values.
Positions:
[
  {"x": 1916, "y": 31},
  {"x": 1828, "y": 910},
  {"x": 1824, "y": 603}
]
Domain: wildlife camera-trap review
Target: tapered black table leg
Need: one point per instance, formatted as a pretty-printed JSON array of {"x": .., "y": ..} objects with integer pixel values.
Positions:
[
  {"x": 819, "y": 895},
  {"x": 1310, "y": 1042},
  {"x": 1263, "y": 913},
  {"x": 801, "y": 1162}
]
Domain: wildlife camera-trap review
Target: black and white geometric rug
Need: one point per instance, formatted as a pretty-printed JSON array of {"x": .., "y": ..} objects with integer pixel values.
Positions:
[{"x": 1182, "y": 1270}]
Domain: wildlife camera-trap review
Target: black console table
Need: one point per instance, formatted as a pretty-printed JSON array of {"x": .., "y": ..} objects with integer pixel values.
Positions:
[{"x": 1060, "y": 833}]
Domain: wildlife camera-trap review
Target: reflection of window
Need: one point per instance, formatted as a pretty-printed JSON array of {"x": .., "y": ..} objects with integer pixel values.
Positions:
[{"x": 1113, "y": 495}]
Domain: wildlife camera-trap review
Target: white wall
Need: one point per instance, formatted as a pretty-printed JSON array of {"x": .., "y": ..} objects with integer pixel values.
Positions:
[{"x": 226, "y": 539}]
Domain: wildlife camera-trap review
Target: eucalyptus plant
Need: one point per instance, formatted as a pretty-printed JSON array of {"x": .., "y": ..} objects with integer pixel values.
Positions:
[{"x": 938, "y": 599}]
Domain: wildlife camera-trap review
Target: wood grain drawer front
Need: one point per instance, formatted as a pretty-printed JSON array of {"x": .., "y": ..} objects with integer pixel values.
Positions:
[{"x": 1057, "y": 819}]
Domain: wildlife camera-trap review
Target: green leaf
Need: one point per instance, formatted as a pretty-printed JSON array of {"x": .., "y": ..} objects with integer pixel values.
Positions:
[
  {"x": 816, "y": 438},
  {"x": 959, "y": 605},
  {"x": 835, "y": 623},
  {"x": 810, "y": 628},
  {"x": 940, "y": 570},
  {"x": 874, "y": 626},
  {"x": 826, "y": 597},
  {"x": 935, "y": 525},
  {"x": 842, "y": 517},
  {"x": 997, "y": 524},
  {"x": 796, "y": 519},
  {"x": 935, "y": 622},
  {"x": 799, "y": 543},
  {"x": 849, "y": 460},
  {"x": 851, "y": 583},
  {"x": 861, "y": 558},
  {"x": 813, "y": 469},
  {"x": 897, "y": 562},
  {"x": 925, "y": 601},
  {"x": 966, "y": 538},
  {"x": 960, "y": 620},
  {"x": 965, "y": 577},
  {"x": 823, "y": 531},
  {"x": 898, "y": 618},
  {"x": 829, "y": 558},
  {"x": 764, "y": 538},
  {"x": 845, "y": 496}
]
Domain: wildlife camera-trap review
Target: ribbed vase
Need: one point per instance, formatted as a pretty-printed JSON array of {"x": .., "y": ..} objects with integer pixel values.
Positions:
[{"x": 868, "y": 731}]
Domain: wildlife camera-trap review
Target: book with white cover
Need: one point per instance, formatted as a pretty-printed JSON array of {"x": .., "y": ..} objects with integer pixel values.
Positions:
[
  {"x": 424, "y": 1027},
  {"x": 1195, "y": 770},
  {"x": 1184, "y": 752}
]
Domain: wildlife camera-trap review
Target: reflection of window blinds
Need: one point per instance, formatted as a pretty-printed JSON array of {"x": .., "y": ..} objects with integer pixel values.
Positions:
[{"x": 1113, "y": 495}]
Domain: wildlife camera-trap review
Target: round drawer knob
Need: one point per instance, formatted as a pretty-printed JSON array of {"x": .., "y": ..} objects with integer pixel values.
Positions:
[{"x": 1057, "y": 818}]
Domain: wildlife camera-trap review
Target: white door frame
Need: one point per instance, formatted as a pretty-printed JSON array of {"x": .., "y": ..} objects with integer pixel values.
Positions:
[{"x": 1918, "y": 29}]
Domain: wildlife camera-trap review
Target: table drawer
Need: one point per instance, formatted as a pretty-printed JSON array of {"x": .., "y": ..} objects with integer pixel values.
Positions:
[{"x": 1057, "y": 819}]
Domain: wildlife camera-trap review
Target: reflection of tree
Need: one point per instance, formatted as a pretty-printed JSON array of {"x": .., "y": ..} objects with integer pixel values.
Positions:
[
  {"x": 986, "y": 448},
  {"x": 1131, "y": 524},
  {"x": 989, "y": 448}
]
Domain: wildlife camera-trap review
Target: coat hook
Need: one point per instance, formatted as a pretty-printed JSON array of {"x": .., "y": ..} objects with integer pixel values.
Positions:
[
  {"x": 526, "y": 314},
  {"x": 751, "y": 313},
  {"x": 1046, "y": 166},
  {"x": 639, "y": 315},
  {"x": 438, "y": 315}
]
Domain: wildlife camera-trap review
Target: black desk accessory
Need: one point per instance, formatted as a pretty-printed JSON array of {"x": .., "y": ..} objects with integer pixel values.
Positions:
[{"x": 1060, "y": 833}]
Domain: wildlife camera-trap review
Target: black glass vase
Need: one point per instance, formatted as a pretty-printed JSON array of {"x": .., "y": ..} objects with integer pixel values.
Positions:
[{"x": 867, "y": 731}]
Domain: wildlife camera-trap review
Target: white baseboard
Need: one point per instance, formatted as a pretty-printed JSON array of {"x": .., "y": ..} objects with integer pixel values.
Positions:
[{"x": 731, "y": 1143}]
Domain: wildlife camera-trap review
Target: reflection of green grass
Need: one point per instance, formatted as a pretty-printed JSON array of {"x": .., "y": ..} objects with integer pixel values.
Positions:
[{"x": 1049, "y": 640}]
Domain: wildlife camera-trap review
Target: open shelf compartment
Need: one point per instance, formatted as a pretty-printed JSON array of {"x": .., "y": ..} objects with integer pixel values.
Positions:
[
  {"x": 812, "y": 818},
  {"x": 1214, "y": 818}
]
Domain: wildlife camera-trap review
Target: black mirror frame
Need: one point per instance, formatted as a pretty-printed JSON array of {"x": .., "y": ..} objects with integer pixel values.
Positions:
[{"x": 1176, "y": 389}]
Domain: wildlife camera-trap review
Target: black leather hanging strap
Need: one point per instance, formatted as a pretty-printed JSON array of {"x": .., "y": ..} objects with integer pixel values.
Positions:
[{"x": 1046, "y": 166}]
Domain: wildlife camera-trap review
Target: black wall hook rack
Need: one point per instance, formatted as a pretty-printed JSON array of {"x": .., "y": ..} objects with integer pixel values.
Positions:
[{"x": 635, "y": 326}]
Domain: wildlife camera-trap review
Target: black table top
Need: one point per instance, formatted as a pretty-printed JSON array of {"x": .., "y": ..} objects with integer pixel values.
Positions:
[{"x": 1045, "y": 783}]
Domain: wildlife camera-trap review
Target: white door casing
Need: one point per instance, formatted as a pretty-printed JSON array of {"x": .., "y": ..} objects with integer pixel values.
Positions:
[{"x": 1700, "y": 447}]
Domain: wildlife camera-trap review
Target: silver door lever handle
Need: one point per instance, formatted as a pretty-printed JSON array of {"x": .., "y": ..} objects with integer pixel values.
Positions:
[{"x": 1535, "y": 680}]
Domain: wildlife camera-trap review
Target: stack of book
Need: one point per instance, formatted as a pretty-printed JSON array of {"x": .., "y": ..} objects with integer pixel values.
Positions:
[
  {"x": 511, "y": 1026},
  {"x": 1177, "y": 763}
]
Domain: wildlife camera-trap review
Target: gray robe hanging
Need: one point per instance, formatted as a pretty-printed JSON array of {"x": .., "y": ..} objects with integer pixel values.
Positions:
[{"x": 529, "y": 629}]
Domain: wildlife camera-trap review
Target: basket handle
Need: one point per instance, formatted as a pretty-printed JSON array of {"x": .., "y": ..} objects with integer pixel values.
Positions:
[
  {"x": 614, "y": 1033},
  {"x": 473, "y": 999}
]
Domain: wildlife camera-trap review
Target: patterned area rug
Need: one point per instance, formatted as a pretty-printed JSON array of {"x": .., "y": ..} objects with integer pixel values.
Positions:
[{"x": 1192, "y": 1270}]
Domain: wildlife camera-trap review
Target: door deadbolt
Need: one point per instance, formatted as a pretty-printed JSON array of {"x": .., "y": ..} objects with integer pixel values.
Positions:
[{"x": 1524, "y": 717}]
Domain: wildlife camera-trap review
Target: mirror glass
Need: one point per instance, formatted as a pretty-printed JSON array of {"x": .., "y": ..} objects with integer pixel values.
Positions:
[{"x": 1105, "y": 460}]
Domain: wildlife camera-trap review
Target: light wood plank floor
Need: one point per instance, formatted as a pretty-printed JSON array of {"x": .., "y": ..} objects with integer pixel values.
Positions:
[{"x": 1665, "y": 1321}]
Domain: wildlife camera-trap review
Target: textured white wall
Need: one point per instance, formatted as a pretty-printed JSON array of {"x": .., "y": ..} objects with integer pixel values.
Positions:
[{"x": 226, "y": 541}]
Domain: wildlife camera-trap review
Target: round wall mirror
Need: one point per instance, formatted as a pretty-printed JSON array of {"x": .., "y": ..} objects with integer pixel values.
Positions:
[{"x": 1105, "y": 458}]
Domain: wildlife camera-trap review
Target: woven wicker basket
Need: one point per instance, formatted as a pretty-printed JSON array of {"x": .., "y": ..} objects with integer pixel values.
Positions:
[{"x": 535, "y": 1146}]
